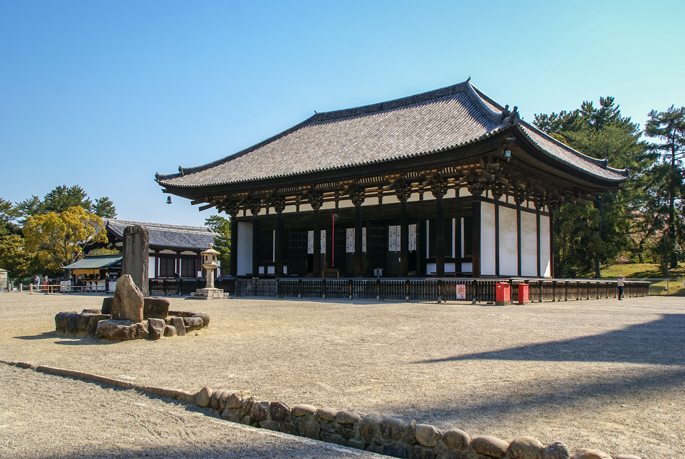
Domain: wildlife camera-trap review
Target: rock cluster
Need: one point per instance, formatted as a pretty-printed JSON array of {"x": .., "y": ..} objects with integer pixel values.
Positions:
[
  {"x": 389, "y": 436},
  {"x": 128, "y": 315}
]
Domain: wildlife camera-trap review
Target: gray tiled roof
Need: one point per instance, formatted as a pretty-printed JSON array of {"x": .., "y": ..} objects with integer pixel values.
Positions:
[
  {"x": 418, "y": 125},
  {"x": 95, "y": 262},
  {"x": 163, "y": 235}
]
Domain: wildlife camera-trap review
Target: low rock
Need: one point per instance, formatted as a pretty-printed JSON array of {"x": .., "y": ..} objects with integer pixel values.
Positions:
[
  {"x": 369, "y": 427},
  {"x": 90, "y": 311},
  {"x": 427, "y": 435},
  {"x": 122, "y": 330},
  {"x": 347, "y": 417},
  {"x": 259, "y": 410},
  {"x": 177, "y": 322},
  {"x": 356, "y": 444},
  {"x": 224, "y": 399},
  {"x": 72, "y": 323},
  {"x": 93, "y": 322},
  {"x": 279, "y": 411},
  {"x": 61, "y": 321},
  {"x": 169, "y": 330},
  {"x": 556, "y": 450},
  {"x": 156, "y": 327},
  {"x": 204, "y": 317},
  {"x": 233, "y": 415},
  {"x": 193, "y": 323},
  {"x": 204, "y": 397},
  {"x": 525, "y": 448},
  {"x": 155, "y": 307},
  {"x": 303, "y": 410},
  {"x": 456, "y": 439},
  {"x": 421, "y": 452},
  {"x": 309, "y": 429},
  {"x": 270, "y": 425},
  {"x": 490, "y": 446},
  {"x": 397, "y": 450},
  {"x": 327, "y": 414},
  {"x": 107, "y": 305},
  {"x": 215, "y": 401},
  {"x": 333, "y": 438},
  {"x": 584, "y": 453},
  {"x": 393, "y": 429}
]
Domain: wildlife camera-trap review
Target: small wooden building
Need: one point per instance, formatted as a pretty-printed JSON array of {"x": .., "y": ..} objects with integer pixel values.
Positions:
[
  {"x": 446, "y": 182},
  {"x": 175, "y": 250}
]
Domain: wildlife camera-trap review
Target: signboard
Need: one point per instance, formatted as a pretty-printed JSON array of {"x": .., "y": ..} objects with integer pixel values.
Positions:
[{"x": 461, "y": 291}]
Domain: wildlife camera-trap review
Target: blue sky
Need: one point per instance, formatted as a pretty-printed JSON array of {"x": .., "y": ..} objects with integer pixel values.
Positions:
[{"x": 104, "y": 94}]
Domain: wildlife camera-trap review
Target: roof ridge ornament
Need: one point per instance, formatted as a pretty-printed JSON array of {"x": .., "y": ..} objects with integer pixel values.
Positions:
[{"x": 509, "y": 118}]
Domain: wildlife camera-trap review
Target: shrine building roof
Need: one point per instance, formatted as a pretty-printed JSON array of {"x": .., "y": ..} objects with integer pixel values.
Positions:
[
  {"x": 418, "y": 125},
  {"x": 164, "y": 235}
]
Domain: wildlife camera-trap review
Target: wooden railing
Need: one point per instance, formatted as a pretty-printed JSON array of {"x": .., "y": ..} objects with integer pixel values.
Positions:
[{"x": 459, "y": 289}]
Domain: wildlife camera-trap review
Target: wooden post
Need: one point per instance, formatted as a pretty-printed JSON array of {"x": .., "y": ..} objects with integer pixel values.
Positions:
[
  {"x": 279, "y": 207},
  {"x": 357, "y": 197},
  {"x": 476, "y": 191},
  {"x": 255, "y": 246},
  {"x": 439, "y": 189},
  {"x": 316, "y": 200}
]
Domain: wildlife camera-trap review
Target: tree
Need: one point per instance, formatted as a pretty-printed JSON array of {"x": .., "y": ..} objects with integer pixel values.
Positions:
[
  {"x": 13, "y": 257},
  {"x": 60, "y": 238},
  {"x": 600, "y": 231},
  {"x": 222, "y": 242},
  {"x": 8, "y": 213},
  {"x": 104, "y": 208},
  {"x": 669, "y": 128}
]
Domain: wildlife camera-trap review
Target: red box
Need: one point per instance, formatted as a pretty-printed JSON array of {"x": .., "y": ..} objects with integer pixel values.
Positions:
[
  {"x": 502, "y": 294},
  {"x": 524, "y": 293}
]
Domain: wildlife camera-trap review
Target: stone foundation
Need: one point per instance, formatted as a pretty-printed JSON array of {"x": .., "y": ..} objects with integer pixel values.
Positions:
[
  {"x": 389, "y": 436},
  {"x": 93, "y": 323}
]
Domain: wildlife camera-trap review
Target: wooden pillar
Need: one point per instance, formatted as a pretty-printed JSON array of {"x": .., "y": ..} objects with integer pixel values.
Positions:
[
  {"x": 255, "y": 245},
  {"x": 403, "y": 193},
  {"x": 519, "y": 196},
  {"x": 279, "y": 207},
  {"x": 316, "y": 200},
  {"x": 439, "y": 189},
  {"x": 234, "y": 245},
  {"x": 537, "y": 239},
  {"x": 551, "y": 243},
  {"x": 476, "y": 191},
  {"x": 357, "y": 197},
  {"x": 496, "y": 196}
]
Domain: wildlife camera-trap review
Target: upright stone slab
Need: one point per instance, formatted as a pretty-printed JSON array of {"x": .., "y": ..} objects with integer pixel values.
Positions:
[
  {"x": 127, "y": 303},
  {"x": 135, "y": 256}
]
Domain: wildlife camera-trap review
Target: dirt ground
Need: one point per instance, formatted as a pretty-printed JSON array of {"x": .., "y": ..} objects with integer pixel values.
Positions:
[{"x": 601, "y": 374}]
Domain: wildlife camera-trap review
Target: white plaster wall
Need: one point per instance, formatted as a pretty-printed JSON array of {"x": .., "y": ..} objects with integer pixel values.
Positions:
[
  {"x": 487, "y": 239},
  {"x": 529, "y": 247},
  {"x": 244, "y": 248},
  {"x": 545, "y": 249},
  {"x": 508, "y": 242},
  {"x": 151, "y": 274}
]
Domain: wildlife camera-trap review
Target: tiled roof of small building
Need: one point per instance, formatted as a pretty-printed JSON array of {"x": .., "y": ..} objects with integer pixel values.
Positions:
[
  {"x": 163, "y": 235},
  {"x": 95, "y": 262},
  {"x": 412, "y": 126}
]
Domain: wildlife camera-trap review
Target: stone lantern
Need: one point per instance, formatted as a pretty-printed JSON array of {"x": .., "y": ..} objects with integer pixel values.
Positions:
[{"x": 209, "y": 262}]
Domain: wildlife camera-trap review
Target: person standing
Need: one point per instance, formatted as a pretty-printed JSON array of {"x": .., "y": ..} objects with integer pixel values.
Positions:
[{"x": 620, "y": 283}]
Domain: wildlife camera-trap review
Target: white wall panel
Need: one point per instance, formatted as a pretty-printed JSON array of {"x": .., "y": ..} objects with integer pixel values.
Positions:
[
  {"x": 244, "y": 248},
  {"x": 487, "y": 239},
  {"x": 508, "y": 242},
  {"x": 545, "y": 249},
  {"x": 529, "y": 245}
]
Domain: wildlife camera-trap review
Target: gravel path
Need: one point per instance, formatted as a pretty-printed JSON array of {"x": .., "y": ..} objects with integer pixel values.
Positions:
[
  {"x": 43, "y": 416},
  {"x": 597, "y": 374}
]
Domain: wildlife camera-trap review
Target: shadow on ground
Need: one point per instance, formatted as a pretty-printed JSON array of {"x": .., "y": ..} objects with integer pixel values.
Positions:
[{"x": 660, "y": 342}]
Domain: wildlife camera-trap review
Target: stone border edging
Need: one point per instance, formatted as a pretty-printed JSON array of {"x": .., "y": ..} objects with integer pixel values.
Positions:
[{"x": 388, "y": 436}]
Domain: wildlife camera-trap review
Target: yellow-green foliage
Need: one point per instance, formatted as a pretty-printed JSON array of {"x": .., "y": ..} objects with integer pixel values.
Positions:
[{"x": 60, "y": 237}]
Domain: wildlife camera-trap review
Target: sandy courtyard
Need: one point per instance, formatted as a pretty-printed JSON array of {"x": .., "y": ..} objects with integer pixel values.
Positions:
[{"x": 600, "y": 374}]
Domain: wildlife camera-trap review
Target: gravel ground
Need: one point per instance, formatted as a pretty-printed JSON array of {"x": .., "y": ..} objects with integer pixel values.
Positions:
[
  {"x": 43, "y": 416},
  {"x": 596, "y": 374}
]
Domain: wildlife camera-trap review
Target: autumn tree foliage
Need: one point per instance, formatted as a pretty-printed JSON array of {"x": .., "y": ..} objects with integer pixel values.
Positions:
[{"x": 61, "y": 237}]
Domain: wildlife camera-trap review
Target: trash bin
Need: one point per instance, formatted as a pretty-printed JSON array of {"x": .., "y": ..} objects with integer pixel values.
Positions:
[
  {"x": 502, "y": 294},
  {"x": 524, "y": 293}
]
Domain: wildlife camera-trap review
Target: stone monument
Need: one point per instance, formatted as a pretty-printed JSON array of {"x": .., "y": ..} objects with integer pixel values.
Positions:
[
  {"x": 209, "y": 262},
  {"x": 136, "y": 253}
]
